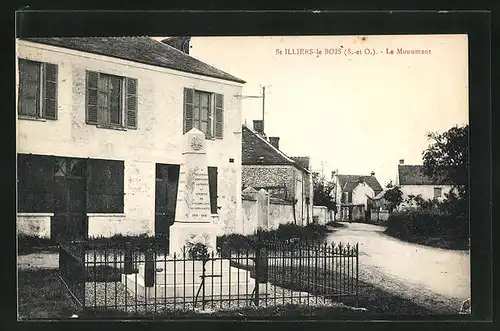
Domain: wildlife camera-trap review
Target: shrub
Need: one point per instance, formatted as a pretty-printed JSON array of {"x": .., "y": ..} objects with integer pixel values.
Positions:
[
  {"x": 285, "y": 233},
  {"x": 28, "y": 244},
  {"x": 429, "y": 226},
  {"x": 197, "y": 251}
]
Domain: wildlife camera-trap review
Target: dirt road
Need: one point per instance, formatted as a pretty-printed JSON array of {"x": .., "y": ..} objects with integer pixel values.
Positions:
[{"x": 432, "y": 277}]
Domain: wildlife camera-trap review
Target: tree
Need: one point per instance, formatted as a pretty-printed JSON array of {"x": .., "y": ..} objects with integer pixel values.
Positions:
[
  {"x": 394, "y": 197},
  {"x": 389, "y": 184},
  {"x": 447, "y": 158},
  {"x": 322, "y": 189}
]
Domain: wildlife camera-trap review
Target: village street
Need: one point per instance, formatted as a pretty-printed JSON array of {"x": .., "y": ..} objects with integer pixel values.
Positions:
[{"x": 431, "y": 277}]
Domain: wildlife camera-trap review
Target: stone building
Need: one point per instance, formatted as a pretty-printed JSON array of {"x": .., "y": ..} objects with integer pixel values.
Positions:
[
  {"x": 99, "y": 129},
  {"x": 286, "y": 178}
]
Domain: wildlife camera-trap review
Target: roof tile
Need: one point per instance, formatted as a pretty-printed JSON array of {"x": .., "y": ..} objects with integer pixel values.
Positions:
[{"x": 138, "y": 49}]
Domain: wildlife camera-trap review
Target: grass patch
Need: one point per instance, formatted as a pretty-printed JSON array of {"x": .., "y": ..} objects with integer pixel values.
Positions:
[
  {"x": 40, "y": 296},
  {"x": 287, "y": 310}
]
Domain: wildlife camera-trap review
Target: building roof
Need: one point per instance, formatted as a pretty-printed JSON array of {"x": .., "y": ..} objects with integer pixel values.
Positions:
[
  {"x": 379, "y": 196},
  {"x": 258, "y": 150},
  {"x": 303, "y": 161},
  {"x": 139, "y": 49},
  {"x": 349, "y": 182},
  {"x": 414, "y": 175}
]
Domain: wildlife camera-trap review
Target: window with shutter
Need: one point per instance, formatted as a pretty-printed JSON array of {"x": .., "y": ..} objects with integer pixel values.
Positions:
[
  {"x": 188, "y": 109},
  {"x": 37, "y": 90},
  {"x": 34, "y": 183},
  {"x": 212, "y": 187},
  {"x": 204, "y": 111},
  {"x": 219, "y": 116},
  {"x": 105, "y": 186},
  {"x": 131, "y": 103},
  {"x": 111, "y": 100}
]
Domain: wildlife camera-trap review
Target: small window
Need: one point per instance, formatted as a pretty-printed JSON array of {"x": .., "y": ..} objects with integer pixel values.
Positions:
[
  {"x": 111, "y": 100},
  {"x": 37, "y": 90},
  {"x": 437, "y": 192}
]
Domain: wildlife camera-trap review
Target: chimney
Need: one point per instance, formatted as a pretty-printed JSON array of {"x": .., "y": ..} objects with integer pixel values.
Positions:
[
  {"x": 402, "y": 161},
  {"x": 372, "y": 173},
  {"x": 257, "y": 126},
  {"x": 275, "y": 141},
  {"x": 180, "y": 43}
]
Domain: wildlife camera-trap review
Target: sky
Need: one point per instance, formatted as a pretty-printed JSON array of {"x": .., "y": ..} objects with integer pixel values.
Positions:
[{"x": 352, "y": 113}]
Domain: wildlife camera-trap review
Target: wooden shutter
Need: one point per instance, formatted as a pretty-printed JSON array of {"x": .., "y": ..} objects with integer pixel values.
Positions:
[
  {"x": 188, "y": 109},
  {"x": 212, "y": 188},
  {"x": 91, "y": 97},
  {"x": 219, "y": 115},
  {"x": 105, "y": 186},
  {"x": 49, "y": 109},
  {"x": 131, "y": 103}
]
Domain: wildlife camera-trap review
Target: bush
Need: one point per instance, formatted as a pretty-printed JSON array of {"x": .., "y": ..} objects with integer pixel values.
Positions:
[
  {"x": 430, "y": 226},
  {"x": 285, "y": 233},
  {"x": 28, "y": 244}
]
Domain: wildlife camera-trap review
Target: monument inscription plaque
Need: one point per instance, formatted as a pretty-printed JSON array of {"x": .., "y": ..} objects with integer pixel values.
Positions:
[{"x": 192, "y": 217}]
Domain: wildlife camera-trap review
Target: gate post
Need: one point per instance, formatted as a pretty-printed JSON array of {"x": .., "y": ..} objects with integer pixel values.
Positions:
[
  {"x": 149, "y": 269},
  {"x": 257, "y": 274},
  {"x": 128, "y": 267}
]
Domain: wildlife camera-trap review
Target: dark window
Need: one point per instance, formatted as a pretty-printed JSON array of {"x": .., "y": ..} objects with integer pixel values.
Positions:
[
  {"x": 34, "y": 178},
  {"x": 437, "y": 192},
  {"x": 37, "y": 89},
  {"x": 111, "y": 100},
  {"x": 212, "y": 186},
  {"x": 204, "y": 111},
  {"x": 105, "y": 186}
]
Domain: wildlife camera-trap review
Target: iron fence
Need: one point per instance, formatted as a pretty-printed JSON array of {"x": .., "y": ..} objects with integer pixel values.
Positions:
[{"x": 102, "y": 275}]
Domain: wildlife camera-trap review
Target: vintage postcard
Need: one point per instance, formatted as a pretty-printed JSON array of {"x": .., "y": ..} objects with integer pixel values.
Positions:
[{"x": 253, "y": 176}]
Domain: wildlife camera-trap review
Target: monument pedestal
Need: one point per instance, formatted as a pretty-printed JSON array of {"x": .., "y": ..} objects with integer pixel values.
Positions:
[
  {"x": 183, "y": 233},
  {"x": 181, "y": 280}
]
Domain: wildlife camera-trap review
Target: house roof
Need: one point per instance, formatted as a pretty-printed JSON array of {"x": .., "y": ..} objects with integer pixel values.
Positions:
[
  {"x": 414, "y": 175},
  {"x": 303, "y": 161},
  {"x": 378, "y": 196},
  {"x": 349, "y": 182},
  {"x": 257, "y": 150},
  {"x": 139, "y": 49}
]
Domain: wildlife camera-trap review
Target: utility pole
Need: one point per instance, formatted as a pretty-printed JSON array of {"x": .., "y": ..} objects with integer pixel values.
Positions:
[
  {"x": 263, "y": 97},
  {"x": 263, "y": 106}
]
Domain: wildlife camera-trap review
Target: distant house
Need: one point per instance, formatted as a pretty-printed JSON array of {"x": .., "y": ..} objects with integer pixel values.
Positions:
[
  {"x": 287, "y": 178},
  {"x": 352, "y": 194},
  {"x": 413, "y": 182}
]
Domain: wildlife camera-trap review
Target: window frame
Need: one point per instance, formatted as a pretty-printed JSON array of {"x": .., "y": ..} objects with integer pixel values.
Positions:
[
  {"x": 213, "y": 111},
  {"x": 210, "y": 122},
  {"x": 124, "y": 101},
  {"x": 41, "y": 114},
  {"x": 108, "y": 123}
]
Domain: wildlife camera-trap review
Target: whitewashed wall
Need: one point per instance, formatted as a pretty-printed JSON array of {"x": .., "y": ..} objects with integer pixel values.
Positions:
[{"x": 156, "y": 140}]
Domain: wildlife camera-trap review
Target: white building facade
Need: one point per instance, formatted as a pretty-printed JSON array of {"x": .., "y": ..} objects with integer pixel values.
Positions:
[{"x": 99, "y": 136}]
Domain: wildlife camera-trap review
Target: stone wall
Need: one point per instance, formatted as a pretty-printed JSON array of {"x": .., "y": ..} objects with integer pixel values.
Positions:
[
  {"x": 280, "y": 212},
  {"x": 321, "y": 215},
  {"x": 34, "y": 224},
  {"x": 295, "y": 182}
]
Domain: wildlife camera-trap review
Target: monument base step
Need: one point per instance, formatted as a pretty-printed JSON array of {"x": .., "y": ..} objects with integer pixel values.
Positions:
[{"x": 134, "y": 284}]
